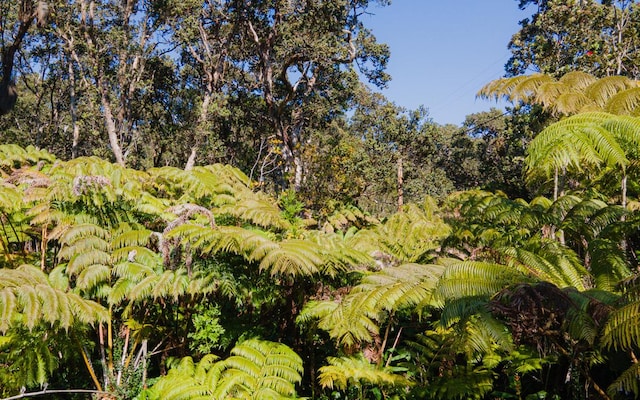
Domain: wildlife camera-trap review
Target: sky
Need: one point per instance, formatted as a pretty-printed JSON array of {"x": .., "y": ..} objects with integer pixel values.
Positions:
[{"x": 444, "y": 51}]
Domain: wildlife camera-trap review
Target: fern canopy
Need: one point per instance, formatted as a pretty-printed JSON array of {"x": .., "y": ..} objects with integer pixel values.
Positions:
[{"x": 256, "y": 369}]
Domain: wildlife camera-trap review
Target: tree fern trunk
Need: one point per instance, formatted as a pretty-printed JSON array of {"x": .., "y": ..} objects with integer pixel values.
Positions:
[
  {"x": 555, "y": 184},
  {"x": 400, "y": 184}
]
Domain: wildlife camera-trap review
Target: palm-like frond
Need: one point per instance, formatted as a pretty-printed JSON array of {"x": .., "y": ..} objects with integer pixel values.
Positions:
[
  {"x": 408, "y": 236},
  {"x": 573, "y": 102},
  {"x": 356, "y": 317},
  {"x": 218, "y": 184},
  {"x": 626, "y": 102},
  {"x": 256, "y": 369},
  {"x": 344, "y": 371},
  {"x": 517, "y": 88},
  {"x": 548, "y": 261},
  {"x": 338, "y": 253},
  {"x": 27, "y": 298},
  {"x": 258, "y": 210},
  {"x": 609, "y": 264},
  {"x": 605, "y": 88},
  {"x": 622, "y": 329},
  {"x": 293, "y": 257},
  {"x": 573, "y": 93},
  {"x": 475, "y": 278},
  {"x": 627, "y": 382},
  {"x": 578, "y": 80},
  {"x": 407, "y": 285},
  {"x": 349, "y": 322},
  {"x": 13, "y": 156},
  {"x": 579, "y": 136}
]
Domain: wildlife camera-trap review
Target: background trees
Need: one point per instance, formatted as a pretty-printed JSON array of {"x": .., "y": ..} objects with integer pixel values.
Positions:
[{"x": 595, "y": 37}]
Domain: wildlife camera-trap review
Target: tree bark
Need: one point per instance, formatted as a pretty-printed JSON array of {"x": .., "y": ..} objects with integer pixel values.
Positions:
[
  {"x": 400, "y": 185},
  {"x": 110, "y": 124}
]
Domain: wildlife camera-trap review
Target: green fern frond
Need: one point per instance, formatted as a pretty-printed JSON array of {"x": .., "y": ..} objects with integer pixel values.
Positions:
[
  {"x": 622, "y": 329},
  {"x": 257, "y": 365},
  {"x": 217, "y": 183},
  {"x": 475, "y": 278},
  {"x": 10, "y": 197},
  {"x": 347, "y": 322},
  {"x": 27, "y": 298},
  {"x": 292, "y": 257},
  {"x": 13, "y": 156},
  {"x": 627, "y": 382},
  {"x": 407, "y": 285},
  {"x": 258, "y": 210},
  {"x": 462, "y": 309},
  {"x": 93, "y": 275},
  {"x": 130, "y": 236},
  {"x": 549, "y": 263},
  {"x": 358, "y": 371},
  {"x": 609, "y": 265}
]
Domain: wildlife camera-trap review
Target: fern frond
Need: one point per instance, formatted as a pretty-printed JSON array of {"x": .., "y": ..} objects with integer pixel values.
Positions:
[
  {"x": 27, "y": 298},
  {"x": 474, "y": 278},
  {"x": 358, "y": 371},
  {"x": 626, "y": 102},
  {"x": 609, "y": 265},
  {"x": 604, "y": 88},
  {"x": 259, "y": 211},
  {"x": 578, "y": 80},
  {"x": 627, "y": 382},
  {"x": 292, "y": 257},
  {"x": 622, "y": 329},
  {"x": 13, "y": 156}
]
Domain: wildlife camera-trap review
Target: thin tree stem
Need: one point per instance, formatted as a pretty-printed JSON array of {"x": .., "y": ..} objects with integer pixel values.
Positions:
[
  {"x": 87, "y": 363},
  {"x": 45, "y": 391}
]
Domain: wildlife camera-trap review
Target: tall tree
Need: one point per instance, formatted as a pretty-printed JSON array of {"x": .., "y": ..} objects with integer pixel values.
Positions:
[
  {"x": 111, "y": 44},
  {"x": 16, "y": 20},
  {"x": 299, "y": 58}
]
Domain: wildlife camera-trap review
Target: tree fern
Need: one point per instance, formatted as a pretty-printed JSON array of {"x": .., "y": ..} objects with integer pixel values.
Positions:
[
  {"x": 550, "y": 262},
  {"x": 627, "y": 382},
  {"x": 626, "y": 102},
  {"x": 13, "y": 156},
  {"x": 615, "y": 94},
  {"x": 408, "y": 236},
  {"x": 341, "y": 372},
  {"x": 356, "y": 318},
  {"x": 256, "y": 369},
  {"x": 27, "y": 298},
  {"x": 474, "y": 278}
]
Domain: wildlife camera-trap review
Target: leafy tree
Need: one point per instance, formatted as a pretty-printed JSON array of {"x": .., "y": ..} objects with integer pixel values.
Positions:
[
  {"x": 563, "y": 36},
  {"x": 304, "y": 56},
  {"x": 400, "y": 147}
]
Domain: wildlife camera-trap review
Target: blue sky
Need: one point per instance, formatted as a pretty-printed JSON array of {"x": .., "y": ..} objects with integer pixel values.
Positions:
[{"x": 444, "y": 51}]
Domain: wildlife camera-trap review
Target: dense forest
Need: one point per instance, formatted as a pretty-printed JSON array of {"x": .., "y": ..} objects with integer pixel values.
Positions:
[{"x": 210, "y": 199}]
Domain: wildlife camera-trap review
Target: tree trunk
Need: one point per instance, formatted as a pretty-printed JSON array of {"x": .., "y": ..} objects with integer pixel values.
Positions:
[
  {"x": 400, "y": 185},
  {"x": 112, "y": 131},
  {"x": 555, "y": 184},
  {"x": 624, "y": 191},
  {"x": 73, "y": 109},
  {"x": 200, "y": 128}
]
